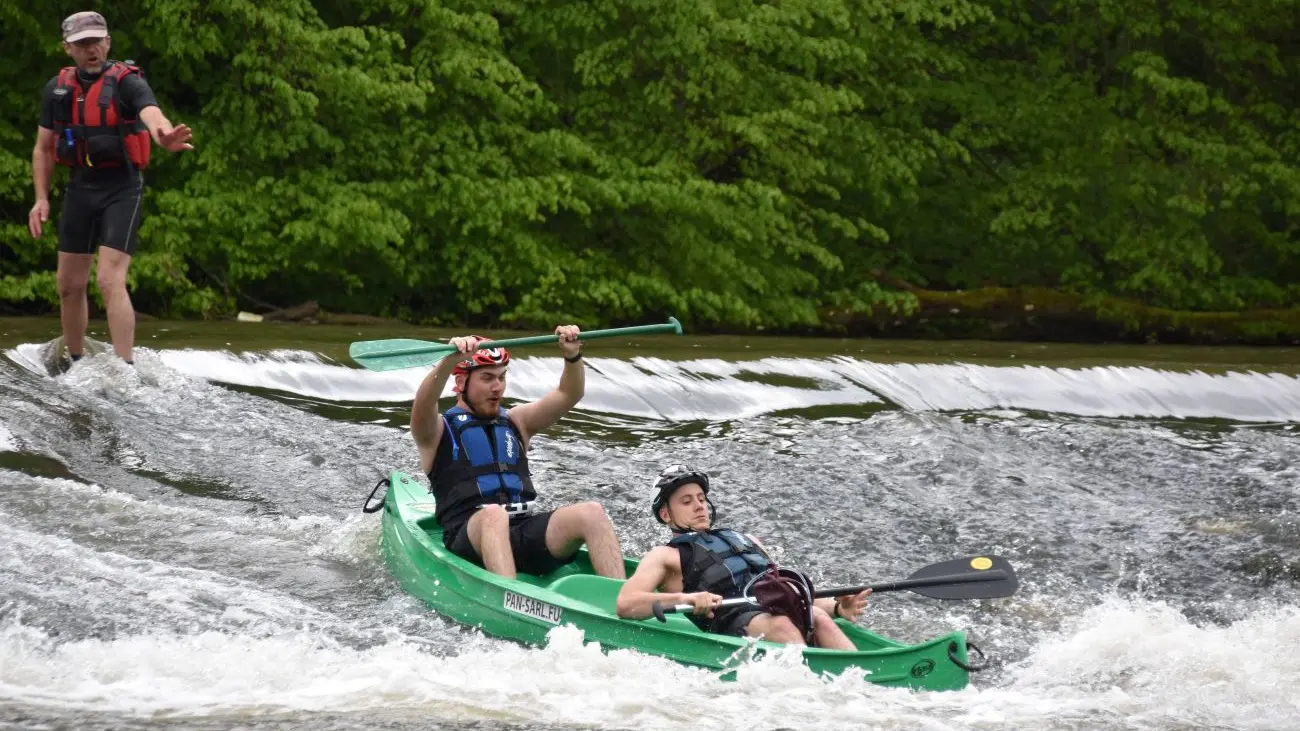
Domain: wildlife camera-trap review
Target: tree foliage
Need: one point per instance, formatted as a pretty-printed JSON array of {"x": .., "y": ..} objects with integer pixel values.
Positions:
[{"x": 737, "y": 163}]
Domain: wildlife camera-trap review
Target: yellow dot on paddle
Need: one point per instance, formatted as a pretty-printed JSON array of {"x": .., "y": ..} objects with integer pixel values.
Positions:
[{"x": 981, "y": 563}]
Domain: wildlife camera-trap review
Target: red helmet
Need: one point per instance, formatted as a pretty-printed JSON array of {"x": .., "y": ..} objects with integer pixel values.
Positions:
[{"x": 482, "y": 358}]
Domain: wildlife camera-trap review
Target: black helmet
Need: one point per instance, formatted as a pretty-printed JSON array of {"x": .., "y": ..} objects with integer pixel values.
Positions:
[{"x": 673, "y": 477}]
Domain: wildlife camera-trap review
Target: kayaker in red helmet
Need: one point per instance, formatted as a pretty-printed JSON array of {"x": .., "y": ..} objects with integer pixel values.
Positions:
[
  {"x": 476, "y": 457},
  {"x": 703, "y": 565}
]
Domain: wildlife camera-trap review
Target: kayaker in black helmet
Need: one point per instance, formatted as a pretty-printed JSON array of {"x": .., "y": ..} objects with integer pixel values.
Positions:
[
  {"x": 703, "y": 565},
  {"x": 475, "y": 455}
]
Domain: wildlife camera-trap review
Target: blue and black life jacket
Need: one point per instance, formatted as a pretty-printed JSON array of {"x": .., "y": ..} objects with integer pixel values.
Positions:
[
  {"x": 486, "y": 464},
  {"x": 720, "y": 561}
]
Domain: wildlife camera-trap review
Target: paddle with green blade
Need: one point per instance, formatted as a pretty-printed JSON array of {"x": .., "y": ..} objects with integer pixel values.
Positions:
[
  {"x": 389, "y": 355},
  {"x": 973, "y": 577}
]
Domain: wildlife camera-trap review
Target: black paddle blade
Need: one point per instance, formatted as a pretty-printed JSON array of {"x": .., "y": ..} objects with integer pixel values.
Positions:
[{"x": 973, "y": 577}]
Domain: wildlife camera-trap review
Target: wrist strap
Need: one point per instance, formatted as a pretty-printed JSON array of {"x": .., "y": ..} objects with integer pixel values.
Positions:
[
  {"x": 835, "y": 610},
  {"x": 574, "y": 359}
]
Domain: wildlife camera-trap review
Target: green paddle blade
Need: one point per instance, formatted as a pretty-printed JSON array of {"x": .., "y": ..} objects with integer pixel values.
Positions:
[{"x": 388, "y": 355}]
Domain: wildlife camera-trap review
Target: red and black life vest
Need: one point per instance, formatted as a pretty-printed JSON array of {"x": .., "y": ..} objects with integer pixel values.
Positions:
[{"x": 89, "y": 128}]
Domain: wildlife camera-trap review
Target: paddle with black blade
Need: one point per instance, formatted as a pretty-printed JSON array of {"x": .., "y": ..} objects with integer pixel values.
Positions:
[
  {"x": 388, "y": 355},
  {"x": 973, "y": 577}
]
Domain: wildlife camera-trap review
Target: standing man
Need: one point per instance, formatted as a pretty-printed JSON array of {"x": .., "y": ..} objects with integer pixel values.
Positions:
[{"x": 97, "y": 117}]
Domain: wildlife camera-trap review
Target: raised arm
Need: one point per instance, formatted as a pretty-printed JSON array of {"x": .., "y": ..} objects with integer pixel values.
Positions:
[
  {"x": 545, "y": 411},
  {"x": 426, "y": 420}
]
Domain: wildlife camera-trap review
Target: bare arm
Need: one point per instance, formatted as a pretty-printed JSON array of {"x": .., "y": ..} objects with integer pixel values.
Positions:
[
  {"x": 43, "y": 162},
  {"x": 426, "y": 420},
  {"x": 660, "y": 568},
  {"x": 539, "y": 415},
  {"x": 174, "y": 139},
  {"x": 42, "y": 171},
  {"x": 849, "y": 606},
  {"x": 156, "y": 121}
]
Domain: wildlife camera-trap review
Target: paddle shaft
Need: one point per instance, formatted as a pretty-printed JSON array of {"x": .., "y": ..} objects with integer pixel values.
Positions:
[
  {"x": 903, "y": 585},
  {"x": 672, "y": 326},
  {"x": 909, "y": 584}
]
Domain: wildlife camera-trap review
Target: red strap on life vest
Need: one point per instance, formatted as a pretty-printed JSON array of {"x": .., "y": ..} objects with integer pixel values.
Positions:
[
  {"x": 109, "y": 118},
  {"x": 88, "y": 112}
]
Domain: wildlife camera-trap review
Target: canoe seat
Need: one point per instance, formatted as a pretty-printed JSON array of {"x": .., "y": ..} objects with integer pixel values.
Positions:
[{"x": 598, "y": 591}]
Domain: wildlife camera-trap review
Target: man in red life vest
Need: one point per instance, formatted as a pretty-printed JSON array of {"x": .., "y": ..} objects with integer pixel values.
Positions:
[{"x": 97, "y": 118}]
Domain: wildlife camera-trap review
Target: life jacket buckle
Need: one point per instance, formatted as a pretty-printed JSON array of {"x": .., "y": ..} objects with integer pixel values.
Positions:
[{"x": 515, "y": 509}]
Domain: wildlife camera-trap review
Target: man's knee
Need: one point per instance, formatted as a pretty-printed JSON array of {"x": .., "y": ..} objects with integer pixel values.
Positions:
[
  {"x": 486, "y": 520},
  {"x": 72, "y": 284},
  {"x": 781, "y": 629},
  {"x": 112, "y": 282},
  {"x": 592, "y": 514},
  {"x": 822, "y": 618},
  {"x": 69, "y": 289}
]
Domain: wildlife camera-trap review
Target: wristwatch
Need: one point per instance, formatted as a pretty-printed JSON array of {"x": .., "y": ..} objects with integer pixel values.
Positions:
[{"x": 573, "y": 359}]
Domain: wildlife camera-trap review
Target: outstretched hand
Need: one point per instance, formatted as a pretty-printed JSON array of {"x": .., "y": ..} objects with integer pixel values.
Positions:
[
  {"x": 175, "y": 139},
  {"x": 851, "y": 605}
]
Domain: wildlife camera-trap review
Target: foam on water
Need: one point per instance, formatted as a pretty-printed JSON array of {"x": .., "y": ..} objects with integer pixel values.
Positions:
[
  {"x": 714, "y": 389},
  {"x": 1120, "y": 665},
  {"x": 1148, "y": 662}
]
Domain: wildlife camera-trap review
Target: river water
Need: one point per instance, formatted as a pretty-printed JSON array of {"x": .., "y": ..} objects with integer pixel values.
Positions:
[{"x": 181, "y": 545}]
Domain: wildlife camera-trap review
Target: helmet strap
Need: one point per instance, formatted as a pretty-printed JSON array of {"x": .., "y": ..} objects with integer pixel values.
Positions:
[{"x": 463, "y": 396}]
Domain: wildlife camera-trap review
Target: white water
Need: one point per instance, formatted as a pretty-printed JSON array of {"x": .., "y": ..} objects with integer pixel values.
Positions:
[
  {"x": 206, "y": 560},
  {"x": 718, "y": 390},
  {"x": 1119, "y": 665}
]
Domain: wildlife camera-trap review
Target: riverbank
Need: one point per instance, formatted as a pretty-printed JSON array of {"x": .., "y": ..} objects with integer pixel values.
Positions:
[
  {"x": 990, "y": 313},
  {"x": 330, "y": 340},
  {"x": 1040, "y": 314},
  {"x": 1003, "y": 314}
]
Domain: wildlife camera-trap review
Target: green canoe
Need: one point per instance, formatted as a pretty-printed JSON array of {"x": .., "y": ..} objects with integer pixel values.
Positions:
[{"x": 526, "y": 608}]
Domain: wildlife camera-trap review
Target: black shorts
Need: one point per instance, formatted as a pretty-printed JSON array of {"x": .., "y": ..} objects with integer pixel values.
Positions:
[
  {"x": 527, "y": 543},
  {"x": 107, "y": 215},
  {"x": 733, "y": 620}
]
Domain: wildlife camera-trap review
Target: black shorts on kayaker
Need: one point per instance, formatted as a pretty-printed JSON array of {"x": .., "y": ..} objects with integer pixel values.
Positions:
[
  {"x": 527, "y": 543},
  {"x": 733, "y": 620},
  {"x": 103, "y": 214}
]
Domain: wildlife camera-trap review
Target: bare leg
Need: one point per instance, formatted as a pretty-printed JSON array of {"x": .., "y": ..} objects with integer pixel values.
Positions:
[
  {"x": 72, "y": 276},
  {"x": 489, "y": 533},
  {"x": 828, "y": 634},
  {"x": 774, "y": 628},
  {"x": 112, "y": 285},
  {"x": 573, "y": 525}
]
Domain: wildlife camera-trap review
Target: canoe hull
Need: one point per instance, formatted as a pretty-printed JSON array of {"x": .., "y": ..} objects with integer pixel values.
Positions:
[{"x": 526, "y": 609}]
